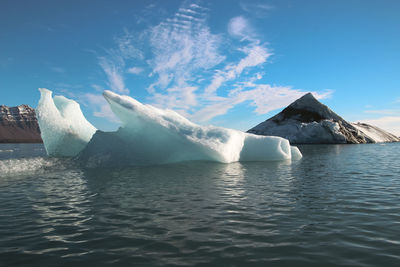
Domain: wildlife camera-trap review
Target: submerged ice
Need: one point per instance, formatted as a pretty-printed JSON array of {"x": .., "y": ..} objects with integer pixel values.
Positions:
[{"x": 148, "y": 135}]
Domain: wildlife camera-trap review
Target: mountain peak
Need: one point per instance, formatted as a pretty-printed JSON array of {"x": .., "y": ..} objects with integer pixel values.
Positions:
[
  {"x": 309, "y": 102},
  {"x": 308, "y": 121},
  {"x": 306, "y": 109},
  {"x": 307, "y": 96}
]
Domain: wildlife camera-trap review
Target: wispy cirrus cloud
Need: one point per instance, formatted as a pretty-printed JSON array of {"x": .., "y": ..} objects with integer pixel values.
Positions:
[
  {"x": 135, "y": 70},
  {"x": 239, "y": 27},
  {"x": 182, "y": 46},
  {"x": 255, "y": 55},
  {"x": 114, "y": 62},
  {"x": 114, "y": 72},
  {"x": 99, "y": 105},
  {"x": 257, "y": 9},
  {"x": 263, "y": 97},
  {"x": 181, "y": 53},
  {"x": 383, "y": 111}
]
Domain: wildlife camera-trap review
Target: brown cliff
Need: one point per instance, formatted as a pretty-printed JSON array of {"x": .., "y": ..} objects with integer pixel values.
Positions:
[{"x": 19, "y": 125}]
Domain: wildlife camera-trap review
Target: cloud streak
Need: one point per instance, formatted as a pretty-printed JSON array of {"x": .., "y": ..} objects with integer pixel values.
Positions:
[
  {"x": 100, "y": 106},
  {"x": 135, "y": 70},
  {"x": 114, "y": 62},
  {"x": 181, "y": 53},
  {"x": 182, "y": 46},
  {"x": 260, "y": 9},
  {"x": 114, "y": 73}
]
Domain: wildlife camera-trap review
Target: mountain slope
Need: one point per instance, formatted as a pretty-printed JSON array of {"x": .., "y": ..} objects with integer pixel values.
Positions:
[
  {"x": 308, "y": 121},
  {"x": 19, "y": 125}
]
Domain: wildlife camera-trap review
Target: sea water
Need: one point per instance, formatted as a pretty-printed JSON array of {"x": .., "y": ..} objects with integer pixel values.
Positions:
[{"x": 337, "y": 206}]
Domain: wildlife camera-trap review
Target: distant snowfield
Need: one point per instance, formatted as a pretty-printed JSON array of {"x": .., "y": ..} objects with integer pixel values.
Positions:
[
  {"x": 391, "y": 124},
  {"x": 148, "y": 135},
  {"x": 375, "y": 133}
]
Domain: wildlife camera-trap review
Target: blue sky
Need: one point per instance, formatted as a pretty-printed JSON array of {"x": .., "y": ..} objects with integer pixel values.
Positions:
[{"x": 226, "y": 63}]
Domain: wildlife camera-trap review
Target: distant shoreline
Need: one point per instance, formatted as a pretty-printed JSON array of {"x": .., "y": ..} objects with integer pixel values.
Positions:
[{"x": 21, "y": 142}]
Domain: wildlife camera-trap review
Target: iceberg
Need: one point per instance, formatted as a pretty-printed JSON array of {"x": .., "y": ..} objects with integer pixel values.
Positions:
[
  {"x": 149, "y": 135},
  {"x": 64, "y": 129}
]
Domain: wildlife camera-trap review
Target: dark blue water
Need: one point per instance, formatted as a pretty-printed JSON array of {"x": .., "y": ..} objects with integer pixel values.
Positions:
[{"x": 338, "y": 206}]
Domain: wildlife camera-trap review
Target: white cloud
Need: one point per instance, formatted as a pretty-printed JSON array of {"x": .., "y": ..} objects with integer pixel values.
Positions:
[
  {"x": 135, "y": 70},
  {"x": 98, "y": 88},
  {"x": 125, "y": 47},
  {"x": 180, "y": 53},
  {"x": 210, "y": 111},
  {"x": 263, "y": 97},
  {"x": 256, "y": 54},
  {"x": 267, "y": 98},
  {"x": 260, "y": 9},
  {"x": 187, "y": 10},
  {"x": 178, "y": 98},
  {"x": 114, "y": 62},
  {"x": 218, "y": 79},
  {"x": 66, "y": 89},
  {"x": 238, "y": 27},
  {"x": 114, "y": 71},
  {"x": 388, "y": 123},
  {"x": 183, "y": 54},
  {"x": 383, "y": 111},
  {"x": 100, "y": 106},
  {"x": 183, "y": 47}
]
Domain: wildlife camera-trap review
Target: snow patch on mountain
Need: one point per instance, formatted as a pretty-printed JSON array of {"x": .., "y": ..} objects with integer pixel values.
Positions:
[{"x": 307, "y": 121}]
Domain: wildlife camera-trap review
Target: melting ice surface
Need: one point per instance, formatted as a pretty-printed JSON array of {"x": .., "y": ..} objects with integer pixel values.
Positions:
[{"x": 148, "y": 135}]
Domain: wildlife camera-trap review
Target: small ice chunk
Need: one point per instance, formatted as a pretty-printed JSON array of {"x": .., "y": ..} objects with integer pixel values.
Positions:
[
  {"x": 262, "y": 148},
  {"x": 296, "y": 154}
]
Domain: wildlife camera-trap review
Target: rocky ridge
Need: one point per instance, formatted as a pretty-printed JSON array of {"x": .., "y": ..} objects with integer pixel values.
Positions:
[{"x": 19, "y": 125}]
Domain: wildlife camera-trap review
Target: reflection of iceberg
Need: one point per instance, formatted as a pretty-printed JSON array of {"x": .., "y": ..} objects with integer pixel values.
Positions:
[{"x": 150, "y": 135}]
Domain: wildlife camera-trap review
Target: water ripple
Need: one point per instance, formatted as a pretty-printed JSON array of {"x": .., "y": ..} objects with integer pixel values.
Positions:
[{"x": 338, "y": 206}]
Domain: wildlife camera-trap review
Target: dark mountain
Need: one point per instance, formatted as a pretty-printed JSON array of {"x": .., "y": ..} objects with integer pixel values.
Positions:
[
  {"x": 19, "y": 125},
  {"x": 308, "y": 121}
]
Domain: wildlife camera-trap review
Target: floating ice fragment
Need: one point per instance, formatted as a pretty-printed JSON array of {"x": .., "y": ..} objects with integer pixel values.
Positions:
[
  {"x": 296, "y": 154},
  {"x": 64, "y": 129}
]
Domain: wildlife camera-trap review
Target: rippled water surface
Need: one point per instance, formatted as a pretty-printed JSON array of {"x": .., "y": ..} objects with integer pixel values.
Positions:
[{"x": 338, "y": 206}]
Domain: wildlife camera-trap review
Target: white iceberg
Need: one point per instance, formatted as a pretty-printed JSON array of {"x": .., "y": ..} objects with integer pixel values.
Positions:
[
  {"x": 149, "y": 135},
  {"x": 64, "y": 129}
]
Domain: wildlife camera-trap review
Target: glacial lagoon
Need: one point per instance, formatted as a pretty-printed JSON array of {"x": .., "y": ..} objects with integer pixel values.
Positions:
[{"x": 337, "y": 206}]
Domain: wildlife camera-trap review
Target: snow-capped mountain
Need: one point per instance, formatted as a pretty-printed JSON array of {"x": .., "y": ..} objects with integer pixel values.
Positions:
[
  {"x": 308, "y": 121},
  {"x": 19, "y": 125}
]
